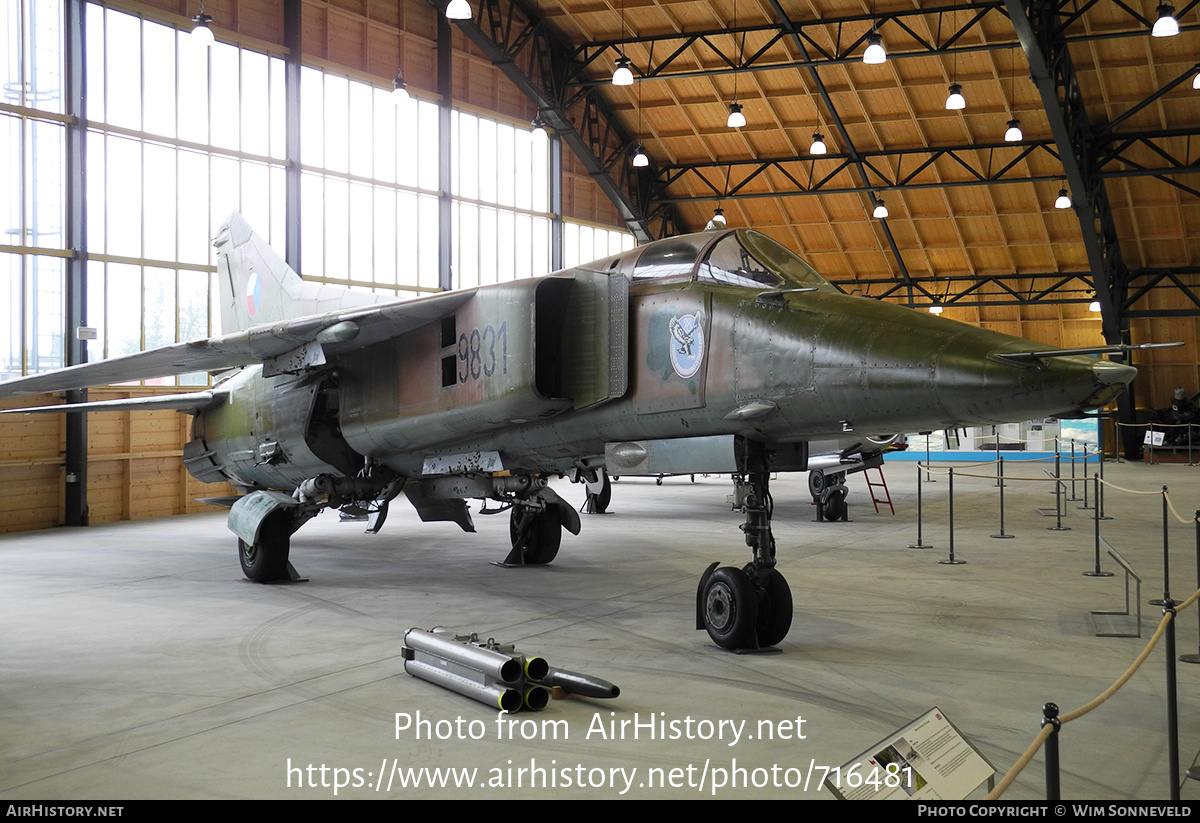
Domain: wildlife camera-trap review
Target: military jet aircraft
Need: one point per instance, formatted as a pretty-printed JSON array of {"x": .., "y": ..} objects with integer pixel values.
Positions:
[{"x": 336, "y": 401}]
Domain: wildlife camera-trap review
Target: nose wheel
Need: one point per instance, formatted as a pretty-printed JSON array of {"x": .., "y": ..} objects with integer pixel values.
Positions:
[{"x": 742, "y": 609}]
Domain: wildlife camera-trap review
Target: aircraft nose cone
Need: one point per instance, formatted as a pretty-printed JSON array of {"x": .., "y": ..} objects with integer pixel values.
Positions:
[
  {"x": 1110, "y": 373},
  {"x": 1109, "y": 380}
]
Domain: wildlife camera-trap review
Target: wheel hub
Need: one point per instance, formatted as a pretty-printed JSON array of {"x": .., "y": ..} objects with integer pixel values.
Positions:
[{"x": 719, "y": 606}]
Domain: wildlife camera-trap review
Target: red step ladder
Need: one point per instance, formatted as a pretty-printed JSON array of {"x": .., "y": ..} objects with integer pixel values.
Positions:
[{"x": 872, "y": 485}]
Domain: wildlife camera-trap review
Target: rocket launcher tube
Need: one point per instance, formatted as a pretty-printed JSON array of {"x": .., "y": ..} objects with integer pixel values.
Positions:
[
  {"x": 536, "y": 668},
  {"x": 492, "y": 664},
  {"x": 536, "y": 698},
  {"x": 502, "y": 697}
]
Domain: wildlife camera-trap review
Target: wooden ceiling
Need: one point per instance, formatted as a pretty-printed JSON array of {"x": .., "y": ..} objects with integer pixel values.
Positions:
[
  {"x": 947, "y": 225},
  {"x": 971, "y": 218}
]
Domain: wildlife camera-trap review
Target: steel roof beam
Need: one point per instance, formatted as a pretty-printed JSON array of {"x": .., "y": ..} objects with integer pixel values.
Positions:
[
  {"x": 801, "y": 171},
  {"x": 538, "y": 62},
  {"x": 1029, "y": 289},
  {"x": 765, "y": 60},
  {"x": 1050, "y": 65},
  {"x": 836, "y": 120}
]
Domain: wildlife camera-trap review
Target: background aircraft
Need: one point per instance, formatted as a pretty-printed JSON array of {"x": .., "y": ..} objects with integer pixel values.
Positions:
[{"x": 335, "y": 400}]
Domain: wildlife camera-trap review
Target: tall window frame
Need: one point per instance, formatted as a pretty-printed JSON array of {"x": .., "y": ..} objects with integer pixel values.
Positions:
[{"x": 170, "y": 152}]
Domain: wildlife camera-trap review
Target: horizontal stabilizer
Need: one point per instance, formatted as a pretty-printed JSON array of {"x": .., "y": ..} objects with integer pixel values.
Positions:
[{"x": 190, "y": 402}]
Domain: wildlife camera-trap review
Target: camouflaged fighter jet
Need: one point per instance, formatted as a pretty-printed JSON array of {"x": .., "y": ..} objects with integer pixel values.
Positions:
[{"x": 337, "y": 401}]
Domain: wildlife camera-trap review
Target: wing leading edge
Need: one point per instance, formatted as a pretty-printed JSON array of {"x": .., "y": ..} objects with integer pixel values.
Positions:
[{"x": 252, "y": 276}]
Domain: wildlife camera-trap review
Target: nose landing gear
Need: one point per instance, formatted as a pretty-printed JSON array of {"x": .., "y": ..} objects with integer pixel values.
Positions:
[{"x": 747, "y": 609}]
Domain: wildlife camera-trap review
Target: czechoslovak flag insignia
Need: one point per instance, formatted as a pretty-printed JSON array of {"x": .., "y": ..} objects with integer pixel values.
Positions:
[{"x": 253, "y": 294}]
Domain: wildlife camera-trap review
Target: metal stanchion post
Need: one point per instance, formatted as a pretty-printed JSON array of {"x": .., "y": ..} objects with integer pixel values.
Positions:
[
  {"x": 951, "y": 561},
  {"x": 1000, "y": 483},
  {"x": 928, "y": 475},
  {"x": 1097, "y": 572},
  {"x": 1050, "y": 715},
  {"x": 1166, "y": 598},
  {"x": 1057, "y": 466},
  {"x": 1074, "y": 498},
  {"x": 1100, "y": 489},
  {"x": 999, "y": 478},
  {"x": 920, "y": 544},
  {"x": 1085, "y": 506},
  {"x": 1059, "y": 493},
  {"x": 1195, "y": 658},
  {"x": 1172, "y": 704}
]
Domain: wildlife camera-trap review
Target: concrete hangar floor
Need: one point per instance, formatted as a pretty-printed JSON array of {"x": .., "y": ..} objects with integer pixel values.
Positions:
[{"x": 138, "y": 663}]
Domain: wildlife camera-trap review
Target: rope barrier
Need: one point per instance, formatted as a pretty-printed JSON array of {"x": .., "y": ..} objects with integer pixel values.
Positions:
[
  {"x": 1157, "y": 425},
  {"x": 1008, "y": 477},
  {"x": 1047, "y": 729},
  {"x": 1171, "y": 506},
  {"x": 1021, "y": 763},
  {"x": 1130, "y": 491}
]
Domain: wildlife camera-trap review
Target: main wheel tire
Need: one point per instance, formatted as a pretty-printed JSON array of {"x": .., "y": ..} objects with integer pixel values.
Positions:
[
  {"x": 730, "y": 608},
  {"x": 834, "y": 507},
  {"x": 774, "y": 610},
  {"x": 267, "y": 560},
  {"x": 817, "y": 483},
  {"x": 537, "y": 535},
  {"x": 600, "y": 500}
]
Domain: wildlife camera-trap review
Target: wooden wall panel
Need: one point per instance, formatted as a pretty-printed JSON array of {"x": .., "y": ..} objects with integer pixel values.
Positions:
[
  {"x": 135, "y": 467},
  {"x": 30, "y": 496}
]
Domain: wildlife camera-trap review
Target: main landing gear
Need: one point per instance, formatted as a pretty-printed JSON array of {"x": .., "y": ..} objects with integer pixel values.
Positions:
[
  {"x": 599, "y": 493},
  {"x": 829, "y": 494},
  {"x": 264, "y": 521},
  {"x": 535, "y": 535},
  {"x": 536, "y": 523},
  {"x": 264, "y": 557},
  {"x": 750, "y": 608}
]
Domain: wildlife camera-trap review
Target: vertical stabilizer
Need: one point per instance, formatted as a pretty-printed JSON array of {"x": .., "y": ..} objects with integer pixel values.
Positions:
[{"x": 257, "y": 287}]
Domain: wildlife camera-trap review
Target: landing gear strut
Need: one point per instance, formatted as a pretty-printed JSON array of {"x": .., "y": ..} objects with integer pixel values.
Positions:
[{"x": 748, "y": 608}]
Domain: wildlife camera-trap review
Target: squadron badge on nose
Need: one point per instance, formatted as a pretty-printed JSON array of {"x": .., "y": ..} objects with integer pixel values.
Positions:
[{"x": 687, "y": 345}]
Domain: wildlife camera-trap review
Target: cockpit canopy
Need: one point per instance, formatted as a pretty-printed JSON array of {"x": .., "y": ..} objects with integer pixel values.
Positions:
[{"x": 739, "y": 257}]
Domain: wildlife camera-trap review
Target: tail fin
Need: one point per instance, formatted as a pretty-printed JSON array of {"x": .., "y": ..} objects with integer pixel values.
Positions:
[{"x": 257, "y": 287}]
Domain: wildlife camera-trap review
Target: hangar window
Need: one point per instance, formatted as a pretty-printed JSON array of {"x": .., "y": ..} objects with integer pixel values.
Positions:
[
  {"x": 32, "y": 159},
  {"x": 583, "y": 243},
  {"x": 180, "y": 135}
]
